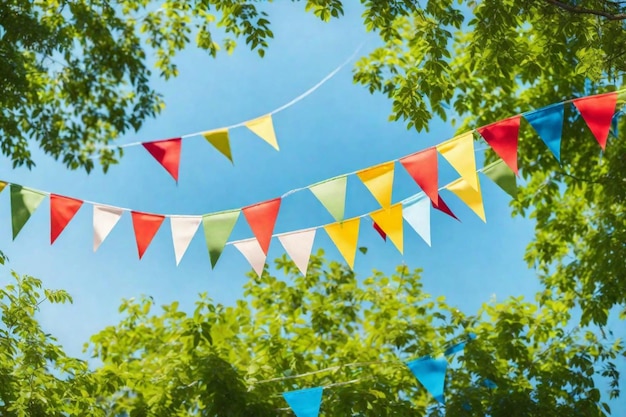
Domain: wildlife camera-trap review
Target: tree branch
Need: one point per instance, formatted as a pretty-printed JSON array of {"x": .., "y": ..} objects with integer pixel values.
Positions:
[{"x": 582, "y": 10}]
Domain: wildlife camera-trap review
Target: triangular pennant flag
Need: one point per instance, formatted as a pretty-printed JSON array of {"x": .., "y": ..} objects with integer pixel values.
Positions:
[
  {"x": 416, "y": 212},
  {"x": 443, "y": 207},
  {"x": 548, "y": 123},
  {"x": 332, "y": 195},
  {"x": 298, "y": 246},
  {"x": 62, "y": 210},
  {"x": 263, "y": 127},
  {"x": 145, "y": 226},
  {"x": 502, "y": 175},
  {"x": 390, "y": 221},
  {"x": 422, "y": 166},
  {"x": 345, "y": 236},
  {"x": 3, "y": 185},
  {"x": 217, "y": 229},
  {"x": 379, "y": 180},
  {"x": 459, "y": 152},
  {"x": 473, "y": 198},
  {"x": 456, "y": 348},
  {"x": 305, "y": 402},
  {"x": 24, "y": 202},
  {"x": 598, "y": 112},
  {"x": 503, "y": 136},
  {"x": 167, "y": 153},
  {"x": 183, "y": 230},
  {"x": 431, "y": 373},
  {"x": 262, "y": 217},
  {"x": 615, "y": 124},
  {"x": 380, "y": 231},
  {"x": 220, "y": 140},
  {"x": 104, "y": 219},
  {"x": 252, "y": 251}
]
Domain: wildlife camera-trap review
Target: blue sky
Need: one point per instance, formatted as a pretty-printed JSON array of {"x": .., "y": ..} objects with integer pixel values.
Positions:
[{"x": 338, "y": 129}]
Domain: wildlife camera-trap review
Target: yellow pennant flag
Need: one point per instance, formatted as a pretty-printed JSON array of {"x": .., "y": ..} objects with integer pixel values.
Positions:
[
  {"x": 345, "y": 236},
  {"x": 2, "y": 185},
  {"x": 473, "y": 198},
  {"x": 219, "y": 139},
  {"x": 459, "y": 152},
  {"x": 263, "y": 127},
  {"x": 379, "y": 180},
  {"x": 390, "y": 221}
]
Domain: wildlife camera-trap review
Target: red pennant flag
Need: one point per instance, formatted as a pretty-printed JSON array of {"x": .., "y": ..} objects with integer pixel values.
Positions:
[
  {"x": 167, "y": 153},
  {"x": 145, "y": 226},
  {"x": 62, "y": 210},
  {"x": 380, "y": 231},
  {"x": 443, "y": 207},
  {"x": 422, "y": 166},
  {"x": 262, "y": 217},
  {"x": 502, "y": 136},
  {"x": 598, "y": 112}
]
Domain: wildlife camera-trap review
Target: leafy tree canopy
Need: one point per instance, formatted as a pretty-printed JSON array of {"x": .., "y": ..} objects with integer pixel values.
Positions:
[{"x": 236, "y": 360}]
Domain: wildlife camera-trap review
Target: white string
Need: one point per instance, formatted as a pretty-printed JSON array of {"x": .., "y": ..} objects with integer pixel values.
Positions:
[{"x": 277, "y": 110}]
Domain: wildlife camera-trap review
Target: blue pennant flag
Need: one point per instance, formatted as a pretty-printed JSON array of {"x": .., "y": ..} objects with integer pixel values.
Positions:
[
  {"x": 305, "y": 402},
  {"x": 431, "y": 373},
  {"x": 454, "y": 349},
  {"x": 548, "y": 122},
  {"x": 615, "y": 123}
]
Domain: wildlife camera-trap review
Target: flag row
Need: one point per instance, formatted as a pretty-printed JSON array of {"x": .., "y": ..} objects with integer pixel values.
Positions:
[
  {"x": 167, "y": 151},
  {"x": 502, "y": 136},
  {"x": 598, "y": 111},
  {"x": 261, "y": 218},
  {"x": 429, "y": 370}
]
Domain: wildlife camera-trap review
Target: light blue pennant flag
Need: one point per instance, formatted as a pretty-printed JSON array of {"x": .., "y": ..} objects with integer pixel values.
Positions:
[
  {"x": 305, "y": 402},
  {"x": 431, "y": 373},
  {"x": 416, "y": 211},
  {"x": 548, "y": 123}
]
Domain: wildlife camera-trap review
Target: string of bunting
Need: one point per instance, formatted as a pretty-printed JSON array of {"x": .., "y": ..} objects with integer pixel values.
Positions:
[
  {"x": 429, "y": 370},
  {"x": 167, "y": 151},
  {"x": 597, "y": 111}
]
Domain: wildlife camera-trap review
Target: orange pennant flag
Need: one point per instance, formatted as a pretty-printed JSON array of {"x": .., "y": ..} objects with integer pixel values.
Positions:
[
  {"x": 598, "y": 112},
  {"x": 262, "y": 217},
  {"x": 390, "y": 221},
  {"x": 263, "y": 127},
  {"x": 145, "y": 226},
  {"x": 379, "y": 180},
  {"x": 473, "y": 198},
  {"x": 459, "y": 152},
  {"x": 167, "y": 153},
  {"x": 62, "y": 210},
  {"x": 345, "y": 236}
]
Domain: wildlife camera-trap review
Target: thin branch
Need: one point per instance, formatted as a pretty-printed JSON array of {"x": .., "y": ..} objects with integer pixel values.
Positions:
[{"x": 583, "y": 10}]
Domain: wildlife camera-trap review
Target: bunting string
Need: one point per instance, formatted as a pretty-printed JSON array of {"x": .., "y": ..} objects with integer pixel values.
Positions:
[
  {"x": 598, "y": 112},
  {"x": 428, "y": 370},
  {"x": 167, "y": 151}
]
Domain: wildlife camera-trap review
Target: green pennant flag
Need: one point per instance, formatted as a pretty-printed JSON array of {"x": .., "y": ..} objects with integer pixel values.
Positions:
[
  {"x": 220, "y": 140},
  {"x": 503, "y": 176},
  {"x": 332, "y": 194},
  {"x": 24, "y": 202},
  {"x": 217, "y": 229}
]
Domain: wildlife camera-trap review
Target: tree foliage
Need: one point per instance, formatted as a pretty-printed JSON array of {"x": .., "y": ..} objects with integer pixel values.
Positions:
[{"x": 330, "y": 329}]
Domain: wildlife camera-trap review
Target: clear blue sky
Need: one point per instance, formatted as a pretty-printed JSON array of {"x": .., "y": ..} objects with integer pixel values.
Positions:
[{"x": 338, "y": 129}]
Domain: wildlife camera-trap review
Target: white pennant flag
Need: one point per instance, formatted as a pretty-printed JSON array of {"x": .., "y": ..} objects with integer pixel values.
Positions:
[
  {"x": 298, "y": 246},
  {"x": 104, "y": 219},
  {"x": 252, "y": 251},
  {"x": 183, "y": 230},
  {"x": 416, "y": 211}
]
